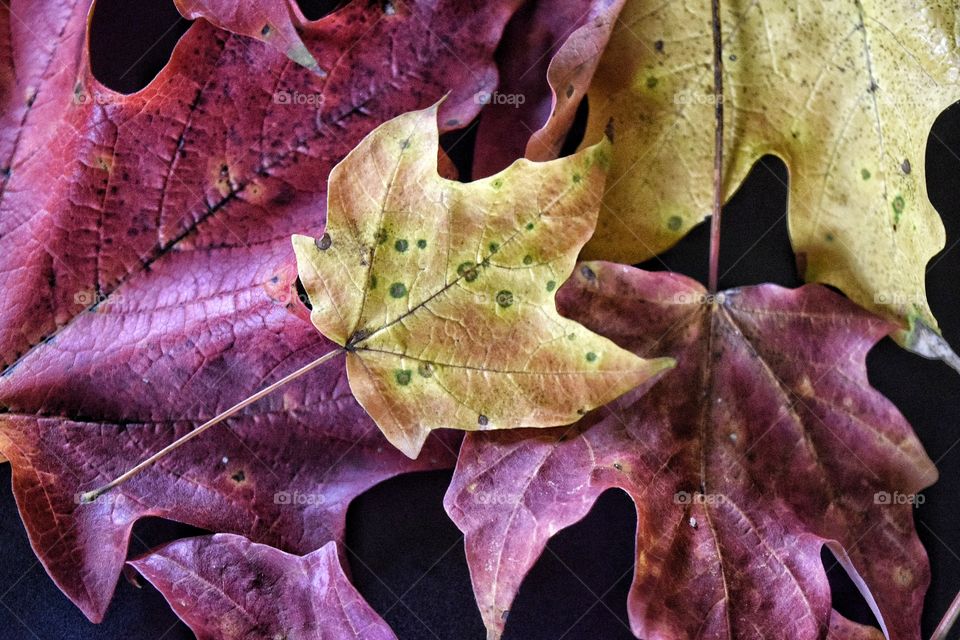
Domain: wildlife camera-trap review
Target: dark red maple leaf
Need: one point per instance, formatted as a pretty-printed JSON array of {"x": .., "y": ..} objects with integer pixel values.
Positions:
[
  {"x": 144, "y": 249},
  {"x": 764, "y": 445},
  {"x": 228, "y": 588}
]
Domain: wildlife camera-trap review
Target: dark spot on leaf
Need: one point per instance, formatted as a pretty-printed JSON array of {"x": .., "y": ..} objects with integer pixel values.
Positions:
[
  {"x": 401, "y": 245},
  {"x": 483, "y": 420},
  {"x": 422, "y": 243},
  {"x": 865, "y": 174},
  {"x": 529, "y": 226},
  {"x": 468, "y": 271},
  {"x": 905, "y": 166},
  {"x": 652, "y": 82},
  {"x": 577, "y": 178},
  {"x": 398, "y": 290},
  {"x": 588, "y": 273},
  {"x": 453, "y": 122},
  {"x": 373, "y": 281},
  {"x": 551, "y": 285},
  {"x": 239, "y": 476},
  {"x": 674, "y": 223},
  {"x": 402, "y": 376},
  {"x": 618, "y": 466},
  {"x": 528, "y": 259},
  {"x": 494, "y": 247},
  {"x": 425, "y": 369},
  {"x": 323, "y": 242},
  {"x": 591, "y": 356},
  {"x": 265, "y": 31},
  {"x": 658, "y": 46},
  {"x": 504, "y": 298},
  {"x": 733, "y": 57},
  {"x": 569, "y": 90},
  {"x": 381, "y": 236},
  {"x": 608, "y": 130}
]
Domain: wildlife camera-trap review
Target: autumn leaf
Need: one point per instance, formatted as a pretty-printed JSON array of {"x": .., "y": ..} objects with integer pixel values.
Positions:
[
  {"x": 272, "y": 21},
  {"x": 442, "y": 293},
  {"x": 144, "y": 252},
  {"x": 764, "y": 445},
  {"x": 844, "y": 92},
  {"x": 547, "y": 58},
  {"x": 226, "y": 587}
]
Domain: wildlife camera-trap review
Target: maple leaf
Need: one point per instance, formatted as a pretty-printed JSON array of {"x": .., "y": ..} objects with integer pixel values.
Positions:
[
  {"x": 845, "y": 93},
  {"x": 144, "y": 249},
  {"x": 272, "y": 21},
  {"x": 765, "y": 444},
  {"x": 547, "y": 58},
  {"x": 226, "y": 587},
  {"x": 442, "y": 293}
]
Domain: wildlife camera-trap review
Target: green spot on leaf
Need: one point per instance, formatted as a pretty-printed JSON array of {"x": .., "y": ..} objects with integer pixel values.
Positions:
[
  {"x": 529, "y": 226},
  {"x": 497, "y": 183},
  {"x": 652, "y": 82},
  {"x": 402, "y": 376},
  {"x": 373, "y": 281},
  {"x": 528, "y": 259},
  {"x": 401, "y": 245},
  {"x": 674, "y": 223},
  {"x": 425, "y": 369},
  {"x": 504, "y": 298},
  {"x": 494, "y": 247},
  {"x": 422, "y": 243},
  {"x": 398, "y": 290},
  {"x": 577, "y": 178},
  {"x": 551, "y": 285},
  {"x": 865, "y": 173},
  {"x": 591, "y": 356}
]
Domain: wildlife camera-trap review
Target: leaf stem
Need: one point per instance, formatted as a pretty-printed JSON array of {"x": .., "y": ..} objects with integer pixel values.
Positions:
[
  {"x": 90, "y": 496},
  {"x": 718, "y": 148},
  {"x": 949, "y": 618}
]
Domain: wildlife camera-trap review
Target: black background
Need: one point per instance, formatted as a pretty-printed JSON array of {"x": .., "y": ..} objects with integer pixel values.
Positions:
[{"x": 407, "y": 557}]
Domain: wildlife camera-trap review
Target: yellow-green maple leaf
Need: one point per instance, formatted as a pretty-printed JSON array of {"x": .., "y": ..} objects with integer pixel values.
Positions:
[
  {"x": 443, "y": 293},
  {"x": 845, "y": 92}
]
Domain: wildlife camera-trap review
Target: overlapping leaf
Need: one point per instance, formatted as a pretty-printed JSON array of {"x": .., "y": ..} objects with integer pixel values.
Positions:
[
  {"x": 844, "y": 92},
  {"x": 442, "y": 293},
  {"x": 227, "y": 588},
  {"x": 144, "y": 251},
  {"x": 272, "y": 21},
  {"x": 765, "y": 444},
  {"x": 547, "y": 58}
]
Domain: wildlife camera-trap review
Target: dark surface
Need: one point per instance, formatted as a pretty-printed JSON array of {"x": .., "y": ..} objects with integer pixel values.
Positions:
[{"x": 407, "y": 557}]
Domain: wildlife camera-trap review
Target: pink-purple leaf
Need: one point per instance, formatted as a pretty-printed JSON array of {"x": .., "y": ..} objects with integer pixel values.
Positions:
[
  {"x": 228, "y": 588},
  {"x": 766, "y": 444},
  {"x": 145, "y": 254}
]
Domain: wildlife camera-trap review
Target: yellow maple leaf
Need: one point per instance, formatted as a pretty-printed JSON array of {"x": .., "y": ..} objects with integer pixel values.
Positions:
[
  {"x": 844, "y": 92},
  {"x": 442, "y": 293}
]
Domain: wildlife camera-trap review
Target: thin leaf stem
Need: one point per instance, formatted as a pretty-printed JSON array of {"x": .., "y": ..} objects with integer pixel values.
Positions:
[
  {"x": 718, "y": 147},
  {"x": 949, "y": 618},
  {"x": 90, "y": 496}
]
